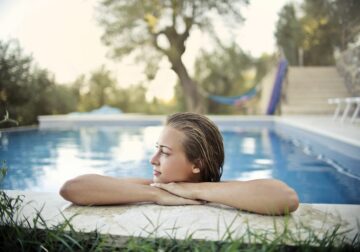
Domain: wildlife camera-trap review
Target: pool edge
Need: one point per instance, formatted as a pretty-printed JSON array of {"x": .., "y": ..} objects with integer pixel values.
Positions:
[{"x": 129, "y": 220}]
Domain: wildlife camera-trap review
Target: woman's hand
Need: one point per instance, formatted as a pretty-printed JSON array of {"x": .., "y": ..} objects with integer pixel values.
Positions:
[
  {"x": 164, "y": 197},
  {"x": 263, "y": 196},
  {"x": 184, "y": 190}
]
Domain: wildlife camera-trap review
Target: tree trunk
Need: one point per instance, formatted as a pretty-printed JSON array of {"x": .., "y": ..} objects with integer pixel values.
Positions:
[{"x": 193, "y": 99}]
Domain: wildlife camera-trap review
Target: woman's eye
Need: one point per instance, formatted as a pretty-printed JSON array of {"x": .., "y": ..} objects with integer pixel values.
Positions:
[
  {"x": 160, "y": 149},
  {"x": 164, "y": 153}
]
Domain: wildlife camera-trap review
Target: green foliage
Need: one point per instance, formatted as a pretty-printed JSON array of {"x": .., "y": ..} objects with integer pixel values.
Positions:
[
  {"x": 228, "y": 71},
  {"x": 345, "y": 14},
  {"x": 153, "y": 29},
  {"x": 19, "y": 233},
  {"x": 319, "y": 33},
  {"x": 289, "y": 33},
  {"x": 259, "y": 243},
  {"x": 100, "y": 88},
  {"x": 325, "y": 25},
  {"x": 27, "y": 91},
  {"x": 95, "y": 91},
  {"x": 136, "y": 26},
  {"x": 3, "y": 171}
]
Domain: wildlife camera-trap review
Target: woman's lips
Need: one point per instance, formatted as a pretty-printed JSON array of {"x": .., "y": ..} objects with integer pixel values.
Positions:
[{"x": 156, "y": 173}]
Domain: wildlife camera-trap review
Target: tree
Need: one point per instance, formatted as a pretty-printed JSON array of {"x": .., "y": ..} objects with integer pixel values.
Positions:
[
  {"x": 326, "y": 25},
  {"x": 96, "y": 90},
  {"x": 289, "y": 33},
  {"x": 228, "y": 71},
  {"x": 319, "y": 33},
  {"x": 345, "y": 15},
  {"x": 130, "y": 100},
  {"x": 15, "y": 74},
  {"x": 140, "y": 26},
  {"x": 26, "y": 90}
]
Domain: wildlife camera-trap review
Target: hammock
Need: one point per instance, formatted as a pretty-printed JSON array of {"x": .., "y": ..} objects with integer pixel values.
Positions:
[
  {"x": 244, "y": 97},
  {"x": 235, "y": 100}
]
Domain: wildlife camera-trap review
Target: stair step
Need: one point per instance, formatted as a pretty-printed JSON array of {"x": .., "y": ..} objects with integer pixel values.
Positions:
[
  {"x": 316, "y": 92},
  {"x": 317, "y": 86},
  {"x": 315, "y": 95},
  {"x": 310, "y": 81},
  {"x": 310, "y": 110},
  {"x": 309, "y": 88},
  {"x": 311, "y": 103},
  {"x": 315, "y": 73}
]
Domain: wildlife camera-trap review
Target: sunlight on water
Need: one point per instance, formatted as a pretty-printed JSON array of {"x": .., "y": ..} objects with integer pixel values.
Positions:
[
  {"x": 130, "y": 149},
  {"x": 67, "y": 165},
  {"x": 255, "y": 175},
  {"x": 263, "y": 161},
  {"x": 248, "y": 146}
]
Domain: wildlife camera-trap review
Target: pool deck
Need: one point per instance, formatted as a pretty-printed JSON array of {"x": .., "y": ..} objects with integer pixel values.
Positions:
[
  {"x": 325, "y": 125},
  {"x": 212, "y": 222}
]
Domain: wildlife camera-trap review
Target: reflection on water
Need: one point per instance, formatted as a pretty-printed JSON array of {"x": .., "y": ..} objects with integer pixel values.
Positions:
[
  {"x": 259, "y": 154},
  {"x": 42, "y": 160}
]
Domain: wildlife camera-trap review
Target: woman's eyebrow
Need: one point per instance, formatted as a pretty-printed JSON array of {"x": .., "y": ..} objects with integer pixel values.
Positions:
[{"x": 163, "y": 146}]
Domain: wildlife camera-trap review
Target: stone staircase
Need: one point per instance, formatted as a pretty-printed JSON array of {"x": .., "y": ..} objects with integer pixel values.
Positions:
[{"x": 308, "y": 89}]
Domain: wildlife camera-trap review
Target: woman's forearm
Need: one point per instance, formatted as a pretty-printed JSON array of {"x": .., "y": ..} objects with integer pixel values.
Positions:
[
  {"x": 101, "y": 190},
  {"x": 264, "y": 196}
]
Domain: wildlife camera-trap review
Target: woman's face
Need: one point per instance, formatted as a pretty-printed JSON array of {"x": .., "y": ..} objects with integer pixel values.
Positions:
[{"x": 169, "y": 161}]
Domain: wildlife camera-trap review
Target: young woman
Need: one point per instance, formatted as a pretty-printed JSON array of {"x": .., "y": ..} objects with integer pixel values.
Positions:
[{"x": 187, "y": 167}]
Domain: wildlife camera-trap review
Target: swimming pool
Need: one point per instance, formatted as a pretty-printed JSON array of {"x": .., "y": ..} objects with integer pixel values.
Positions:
[{"x": 42, "y": 159}]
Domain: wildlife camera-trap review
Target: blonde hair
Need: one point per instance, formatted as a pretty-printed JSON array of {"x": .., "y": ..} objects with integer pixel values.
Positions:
[{"x": 203, "y": 143}]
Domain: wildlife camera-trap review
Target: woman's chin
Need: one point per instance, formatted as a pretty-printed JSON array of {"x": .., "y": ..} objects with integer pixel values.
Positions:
[{"x": 156, "y": 179}]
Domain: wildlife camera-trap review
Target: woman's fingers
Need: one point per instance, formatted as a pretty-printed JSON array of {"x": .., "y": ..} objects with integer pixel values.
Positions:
[
  {"x": 174, "y": 188},
  {"x": 165, "y": 197},
  {"x": 167, "y": 187}
]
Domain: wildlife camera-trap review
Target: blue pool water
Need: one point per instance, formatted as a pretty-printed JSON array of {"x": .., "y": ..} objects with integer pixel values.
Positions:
[{"x": 41, "y": 160}]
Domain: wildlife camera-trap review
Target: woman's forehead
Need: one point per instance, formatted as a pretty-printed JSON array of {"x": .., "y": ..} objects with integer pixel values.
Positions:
[{"x": 171, "y": 137}]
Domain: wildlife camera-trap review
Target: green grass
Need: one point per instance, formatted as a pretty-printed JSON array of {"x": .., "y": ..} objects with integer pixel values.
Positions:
[
  {"x": 34, "y": 234},
  {"x": 18, "y": 233},
  {"x": 302, "y": 238}
]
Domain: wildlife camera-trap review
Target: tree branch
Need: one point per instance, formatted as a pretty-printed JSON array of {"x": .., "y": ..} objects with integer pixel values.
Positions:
[
  {"x": 174, "y": 10},
  {"x": 156, "y": 44}
]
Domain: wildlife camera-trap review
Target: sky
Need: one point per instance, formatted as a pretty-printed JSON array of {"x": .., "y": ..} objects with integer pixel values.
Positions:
[{"x": 63, "y": 36}]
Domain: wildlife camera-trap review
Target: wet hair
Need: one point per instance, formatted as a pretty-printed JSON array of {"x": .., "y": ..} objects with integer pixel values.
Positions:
[{"x": 203, "y": 144}]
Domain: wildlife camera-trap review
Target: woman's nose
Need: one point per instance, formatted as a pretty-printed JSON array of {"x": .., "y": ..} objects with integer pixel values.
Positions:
[{"x": 155, "y": 159}]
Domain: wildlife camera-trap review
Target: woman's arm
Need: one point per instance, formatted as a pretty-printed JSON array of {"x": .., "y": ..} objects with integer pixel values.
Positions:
[
  {"x": 95, "y": 189},
  {"x": 264, "y": 196}
]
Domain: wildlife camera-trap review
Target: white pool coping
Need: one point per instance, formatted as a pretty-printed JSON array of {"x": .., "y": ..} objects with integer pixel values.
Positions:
[
  {"x": 322, "y": 125},
  {"x": 202, "y": 222},
  {"x": 325, "y": 126},
  {"x": 210, "y": 222}
]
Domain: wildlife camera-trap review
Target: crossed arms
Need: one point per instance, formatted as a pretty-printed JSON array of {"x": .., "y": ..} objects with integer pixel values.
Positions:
[{"x": 263, "y": 196}]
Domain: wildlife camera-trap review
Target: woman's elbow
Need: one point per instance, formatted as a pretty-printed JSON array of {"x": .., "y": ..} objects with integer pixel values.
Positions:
[
  {"x": 71, "y": 190},
  {"x": 289, "y": 200},
  {"x": 292, "y": 201}
]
